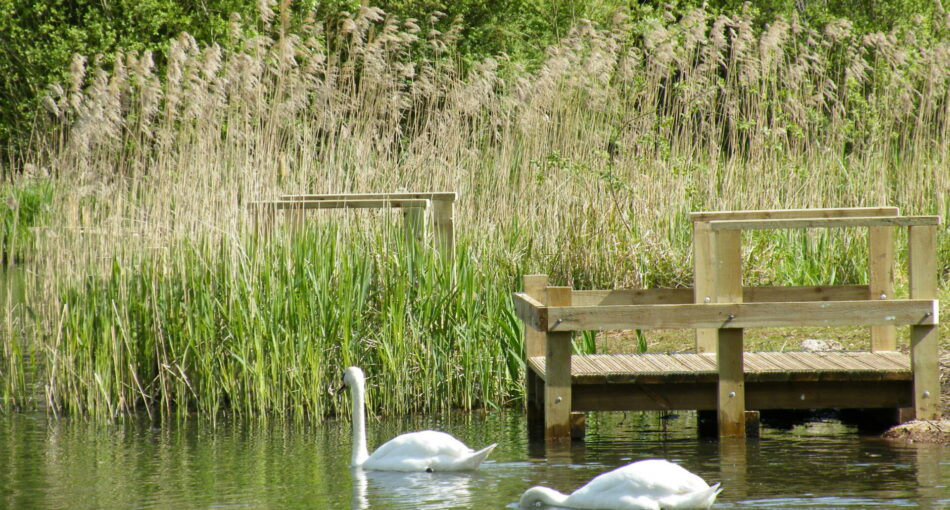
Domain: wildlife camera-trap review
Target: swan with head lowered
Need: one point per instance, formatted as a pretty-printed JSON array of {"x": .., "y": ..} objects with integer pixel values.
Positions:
[
  {"x": 653, "y": 484},
  {"x": 428, "y": 450}
]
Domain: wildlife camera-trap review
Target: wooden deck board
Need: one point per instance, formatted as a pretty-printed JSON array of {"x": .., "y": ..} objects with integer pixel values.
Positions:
[{"x": 758, "y": 366}]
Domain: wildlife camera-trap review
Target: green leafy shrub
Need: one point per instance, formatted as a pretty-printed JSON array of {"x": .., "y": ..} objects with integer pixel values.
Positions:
[{"x": 22, "y": 207}]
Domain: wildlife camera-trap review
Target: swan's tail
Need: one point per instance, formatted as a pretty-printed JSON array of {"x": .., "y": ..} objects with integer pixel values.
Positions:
[
  {"x": 699, "y": 499},
  {"x": 476, "y": 458}
]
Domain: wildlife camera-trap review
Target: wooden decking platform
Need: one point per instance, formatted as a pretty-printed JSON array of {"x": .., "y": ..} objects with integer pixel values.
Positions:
[
  {"x": 654, "y": 368},
  {"x": 720, "y": 375},
  {"x": 773, "y": 380}
]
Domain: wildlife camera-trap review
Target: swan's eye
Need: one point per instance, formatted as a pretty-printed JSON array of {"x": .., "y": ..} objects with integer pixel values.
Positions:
[{"x": 428, "y": 470}]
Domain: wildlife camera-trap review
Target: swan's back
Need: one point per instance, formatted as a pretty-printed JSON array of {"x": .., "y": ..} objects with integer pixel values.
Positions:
[
  {"x": 427, "y": 450},
  {"x": 645, "y": 484}
]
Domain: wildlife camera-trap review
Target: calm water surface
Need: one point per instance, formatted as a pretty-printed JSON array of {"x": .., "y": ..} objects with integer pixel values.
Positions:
[{"x": 67, "y": 463}]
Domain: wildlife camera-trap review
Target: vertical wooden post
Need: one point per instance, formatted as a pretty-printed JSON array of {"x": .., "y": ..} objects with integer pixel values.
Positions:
[
  {"x": 443, "y": 222},
  {"x": 728, "y": 266},
  {"x": 704, "y": 283},
  {"x": 414, "y": 224},
  {"x": 557, "y": 383},
  {"x": 535, "y": 285},
  {"x": 922, "y": 262},
  {"x": 534, "y": 345},
  {"x": 727, "y": 253},
  {"x": 294, "y": 219},
  {"x": 718, "y": 273},
  {"x": 881, "y": 282},
  {"x": 731, "y": 400},
  {"x": 733, "y": 465},
  {"x": 264, "y": 216}
]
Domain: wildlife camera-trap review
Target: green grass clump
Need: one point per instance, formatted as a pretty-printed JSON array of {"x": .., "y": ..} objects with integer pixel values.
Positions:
[
  {"x": 22, "y": 208},
  {"x": 270, "y": 330}
]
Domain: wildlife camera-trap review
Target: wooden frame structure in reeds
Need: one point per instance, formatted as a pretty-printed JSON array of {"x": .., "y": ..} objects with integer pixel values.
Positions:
[
  {"x": 720, "y": 376},
  {"x": 440, "y": 205}
]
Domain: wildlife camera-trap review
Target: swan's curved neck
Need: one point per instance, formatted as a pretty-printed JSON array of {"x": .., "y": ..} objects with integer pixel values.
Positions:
[
  {"x": 360, "y": 454},
  {"x": 549, "y": 497}
]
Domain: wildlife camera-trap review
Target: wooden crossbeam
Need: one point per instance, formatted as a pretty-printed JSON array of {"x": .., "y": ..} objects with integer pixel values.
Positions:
[
  {"x": 736, "y": 315},
  {"x": 865, "y": 221},
  {"x": 758, "y": 395},
  {"x": 805, "y": 293},
  {"x": 375, "y": 203},
  {"x": 531, "y": 311},
  {"x": 749, "y": 295},
  {"x": 448, "y": 196},
  {"x": 762, "y": 214}
]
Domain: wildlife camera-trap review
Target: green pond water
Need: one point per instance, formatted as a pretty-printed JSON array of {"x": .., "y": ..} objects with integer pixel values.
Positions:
[{"x": 71, "y": 463}]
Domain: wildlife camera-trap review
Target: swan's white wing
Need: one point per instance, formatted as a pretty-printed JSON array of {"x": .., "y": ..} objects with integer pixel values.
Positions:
[
  {"x": 418, "y": 451},
  {"x": 637, "y": 486}
]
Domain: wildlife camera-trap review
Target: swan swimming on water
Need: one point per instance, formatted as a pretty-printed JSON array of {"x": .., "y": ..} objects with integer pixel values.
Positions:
[
  {"x": 653, "y": 484},
  {"x": 428, "y": 450}
]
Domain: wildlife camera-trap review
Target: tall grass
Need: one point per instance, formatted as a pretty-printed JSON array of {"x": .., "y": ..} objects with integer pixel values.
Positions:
[
  {"x": 272, "y": 331},
  {"x": 157, "y": 295}
]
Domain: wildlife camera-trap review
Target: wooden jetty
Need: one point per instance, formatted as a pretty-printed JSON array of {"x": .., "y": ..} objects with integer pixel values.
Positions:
[
  {"x": 439, "y": 204},
  {"x": 720, "y": 376}
]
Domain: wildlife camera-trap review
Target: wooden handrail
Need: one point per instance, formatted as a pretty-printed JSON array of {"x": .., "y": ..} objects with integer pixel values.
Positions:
[
  {"x": 342, "y": 204},
  {"x": 763, "y": 214},
  {"x": 858, "y": 221},
  {"x": 449, "y": 196},
  {"x": 726, "y": 315},
  {"x": 666, "y": 296}
]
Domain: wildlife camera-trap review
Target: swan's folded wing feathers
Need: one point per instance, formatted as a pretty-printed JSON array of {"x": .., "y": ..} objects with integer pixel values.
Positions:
[
  {"x": 639, "y": 483},
  {"x": 663, "y": 477},
  {"x": 416, "y": 451}
]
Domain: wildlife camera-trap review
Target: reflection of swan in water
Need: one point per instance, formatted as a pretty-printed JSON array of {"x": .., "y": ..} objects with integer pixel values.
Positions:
[
  {"x": 359, "y": 489},
  {"x": 653, "y": 484},
  {"x": 428, "y": 450},
  {"x": 391, "y": 489}
]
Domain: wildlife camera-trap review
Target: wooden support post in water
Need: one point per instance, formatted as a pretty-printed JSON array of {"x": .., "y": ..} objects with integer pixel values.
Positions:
[
  {"x": 534, "y": 345},
  {"x": 443, "y": 221},
  {"x": 704, "y": 276},
  {"x": 922, "y": 262},
  {"x": 733, "y": 465},
  {"x": 557, "y": 387},
  {"x": 731, "y": 400},
  {"x": 727, "y": 254},
  {"x": 881, "y": 282}
]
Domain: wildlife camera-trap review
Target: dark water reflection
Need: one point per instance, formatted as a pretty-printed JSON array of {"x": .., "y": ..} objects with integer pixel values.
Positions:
[{"x": 74, "y": 464}]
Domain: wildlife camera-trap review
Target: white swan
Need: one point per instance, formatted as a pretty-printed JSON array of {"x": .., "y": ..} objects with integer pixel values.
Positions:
[
  {"x": 427, "y": 450},
  {"x": 653, "y": 484}
]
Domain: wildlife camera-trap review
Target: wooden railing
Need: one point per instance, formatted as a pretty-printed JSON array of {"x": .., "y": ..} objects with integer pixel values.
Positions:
[
  {"x": 720, "y": 308},
  {"x": 441, "y": 206}
]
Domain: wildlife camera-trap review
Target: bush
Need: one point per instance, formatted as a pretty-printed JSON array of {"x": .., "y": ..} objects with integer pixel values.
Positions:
[
  {"x": 21, "y": 207},
  {"x": 40, "y": 37}
]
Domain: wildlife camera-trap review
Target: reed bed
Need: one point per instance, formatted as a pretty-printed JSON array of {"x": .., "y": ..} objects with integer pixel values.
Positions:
[{"x": 154, "y": 293}]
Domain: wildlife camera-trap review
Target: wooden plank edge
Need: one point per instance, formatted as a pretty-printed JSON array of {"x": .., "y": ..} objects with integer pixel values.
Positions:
[
  {"x": 531, "y": 311},
  {"x": 341, "y": 204},
  {"x": 835, "y": 212},
  {"x": 743, "y": 315},
  {"x": 685, "y": 295},
  {"x": 444, "y": 196},
  {"x": 857, "y": 221}
]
